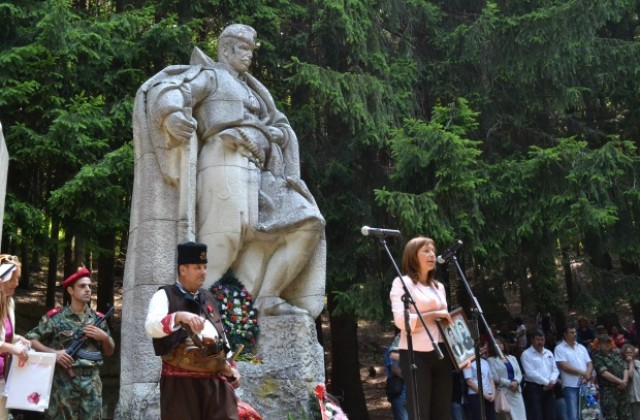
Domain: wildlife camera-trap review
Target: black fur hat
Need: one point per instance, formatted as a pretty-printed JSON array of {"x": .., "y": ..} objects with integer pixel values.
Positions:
[{"x": 192, "y": 253}]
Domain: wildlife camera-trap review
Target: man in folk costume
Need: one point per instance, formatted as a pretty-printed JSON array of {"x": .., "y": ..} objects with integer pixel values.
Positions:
[
  {"x": 183, "y": 320},
  {"x": 76, "y": 392}
]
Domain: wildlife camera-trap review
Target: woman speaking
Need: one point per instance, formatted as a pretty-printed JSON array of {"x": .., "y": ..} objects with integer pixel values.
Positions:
[{"x": 433, "y": 375}]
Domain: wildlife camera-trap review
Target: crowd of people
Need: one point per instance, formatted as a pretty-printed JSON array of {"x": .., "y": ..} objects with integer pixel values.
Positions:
[{"x": 581, "y": 372}]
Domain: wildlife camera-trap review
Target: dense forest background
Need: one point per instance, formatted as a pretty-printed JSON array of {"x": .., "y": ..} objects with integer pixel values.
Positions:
[{"x": 510, "y": 124}]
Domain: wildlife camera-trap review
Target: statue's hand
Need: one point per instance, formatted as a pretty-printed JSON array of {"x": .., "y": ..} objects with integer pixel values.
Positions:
[
  {"x": 180, "y": 126},
  {"x": 277, "y": 136}
]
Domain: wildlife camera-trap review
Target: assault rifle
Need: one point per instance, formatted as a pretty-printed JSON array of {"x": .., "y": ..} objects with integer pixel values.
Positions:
[{"x": 75, "y": 348}]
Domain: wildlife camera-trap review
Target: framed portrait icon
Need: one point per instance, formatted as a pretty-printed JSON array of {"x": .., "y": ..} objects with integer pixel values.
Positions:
[{"x": 458, "y": 339}]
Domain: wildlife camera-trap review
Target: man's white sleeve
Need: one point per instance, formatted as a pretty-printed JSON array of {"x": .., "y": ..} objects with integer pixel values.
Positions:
[{"x": 160, "y": 323}]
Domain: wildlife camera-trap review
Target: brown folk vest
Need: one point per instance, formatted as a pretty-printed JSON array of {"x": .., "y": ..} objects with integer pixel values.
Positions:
[{"x": 179, "y": 301}]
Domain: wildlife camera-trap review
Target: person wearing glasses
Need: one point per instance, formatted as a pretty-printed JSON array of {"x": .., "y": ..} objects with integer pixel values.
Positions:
[
  {"x": 77, "y": 389},
  {"x": 10, "y": 342}
]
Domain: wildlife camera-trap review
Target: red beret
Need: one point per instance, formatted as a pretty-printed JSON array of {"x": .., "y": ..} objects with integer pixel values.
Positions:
[{"x": 82, "y": 272}]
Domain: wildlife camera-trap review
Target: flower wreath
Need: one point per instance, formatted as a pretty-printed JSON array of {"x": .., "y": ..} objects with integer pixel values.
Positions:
[{"x": 239, "y": 317}]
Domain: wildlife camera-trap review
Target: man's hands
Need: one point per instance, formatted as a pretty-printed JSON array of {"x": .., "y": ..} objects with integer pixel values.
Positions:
[
  {"x": 96, "y": 333},
  {"x": 550, "y": 386},
  {"x": 236, "y": 375},
  {"x": 63, "y": 359},
  {"x": 622, "y": 384},
  {"x": 195, "y": 322}
]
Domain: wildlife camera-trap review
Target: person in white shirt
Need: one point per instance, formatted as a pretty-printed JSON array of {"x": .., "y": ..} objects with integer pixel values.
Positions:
[
  {"x": 540, "y": 377},
  {"x": 470, "y": 373},
  {"x": 575, "y": 368}
]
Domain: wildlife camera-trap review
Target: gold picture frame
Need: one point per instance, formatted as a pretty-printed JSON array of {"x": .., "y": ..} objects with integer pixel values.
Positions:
[{"x": 458, "y": 339}]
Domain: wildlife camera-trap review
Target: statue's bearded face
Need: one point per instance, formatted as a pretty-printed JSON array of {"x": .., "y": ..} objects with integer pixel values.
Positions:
[{"x": 239, "y": 56}]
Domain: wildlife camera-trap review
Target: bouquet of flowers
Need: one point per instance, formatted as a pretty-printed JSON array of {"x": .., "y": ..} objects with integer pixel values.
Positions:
[
  {"x": 239, "y": 317},
  {"x": 589, "y": 405},
  {"x": 329, "y": 407}
]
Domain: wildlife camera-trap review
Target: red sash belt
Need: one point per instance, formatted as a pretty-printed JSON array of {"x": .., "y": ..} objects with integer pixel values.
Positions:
[{"x": 168, "y": 370}]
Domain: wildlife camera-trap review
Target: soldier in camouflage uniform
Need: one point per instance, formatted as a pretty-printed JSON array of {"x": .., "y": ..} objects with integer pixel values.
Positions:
[
  {"x": 613, "y": 377},
  {"x": 77, "y": 388}
]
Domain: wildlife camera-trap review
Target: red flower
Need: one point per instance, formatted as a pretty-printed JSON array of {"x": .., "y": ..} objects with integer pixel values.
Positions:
[
  {"x": 234, "y": 318},
  {"x": 209, "y": 308},
  {"x": 220, "y": 296},
  {"x": 320, "y": 392},
  {"x": 33, "y": 398}
]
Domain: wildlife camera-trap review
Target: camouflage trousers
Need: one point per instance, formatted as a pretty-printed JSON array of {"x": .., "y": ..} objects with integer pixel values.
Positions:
[
  {"x": 614, "y": 403},
  {"x": 76, "y": 398}
]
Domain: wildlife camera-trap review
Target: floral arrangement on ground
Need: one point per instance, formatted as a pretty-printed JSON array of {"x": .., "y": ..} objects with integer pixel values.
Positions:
[
  {"x": 329, "y": 407},
  {"x": 589, "y": 405},
  {"x": 239, "y": 317}
]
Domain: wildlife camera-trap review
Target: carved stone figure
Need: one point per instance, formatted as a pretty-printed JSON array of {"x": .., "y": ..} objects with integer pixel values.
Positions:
[
  {"x": 217, "y": 162},
  {"x": 252, "y": 209}
]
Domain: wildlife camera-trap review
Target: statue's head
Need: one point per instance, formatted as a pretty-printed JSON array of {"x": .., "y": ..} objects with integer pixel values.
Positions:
[
  {"x": 238, "y": 31},
  {"x": 235, "y": 46}
]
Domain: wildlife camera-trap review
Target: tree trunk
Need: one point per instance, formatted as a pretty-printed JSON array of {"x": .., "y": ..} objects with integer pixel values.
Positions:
[
  {"x": 69, "y": 266},
  {"x": 52, "y": 273},
  {"x": 106, "y": 270},
  {"x": 345, "y": 364},
  {"x": 631, "y": 267},
  {"x": 25, "y": 278},
  {"x": 568, "y": 278}
]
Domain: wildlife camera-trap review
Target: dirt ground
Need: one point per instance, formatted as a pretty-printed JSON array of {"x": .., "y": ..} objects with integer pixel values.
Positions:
[{"x": 372, "y": 341}]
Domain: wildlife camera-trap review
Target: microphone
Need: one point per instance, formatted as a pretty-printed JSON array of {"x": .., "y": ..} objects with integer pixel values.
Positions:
[
  {"x": 449, "y": 252},
  {"x": 380, "y": 233}
]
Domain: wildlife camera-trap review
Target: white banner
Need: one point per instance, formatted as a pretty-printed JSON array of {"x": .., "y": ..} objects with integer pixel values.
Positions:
[{"x": 29, "y": 387}]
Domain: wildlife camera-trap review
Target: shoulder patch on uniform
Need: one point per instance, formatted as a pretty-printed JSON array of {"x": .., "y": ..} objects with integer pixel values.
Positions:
[{"x": 54, "y": 311}]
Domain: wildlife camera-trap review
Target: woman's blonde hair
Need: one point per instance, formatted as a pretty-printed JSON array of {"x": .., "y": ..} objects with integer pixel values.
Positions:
[
  {"x": 410, "y": 262},
  {"x": 4, "y": 299}
]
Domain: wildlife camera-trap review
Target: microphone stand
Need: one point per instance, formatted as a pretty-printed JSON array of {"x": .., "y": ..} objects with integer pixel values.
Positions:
[
  {"x": 407, "y": 299},
  {"x": 476, "y": 313}
]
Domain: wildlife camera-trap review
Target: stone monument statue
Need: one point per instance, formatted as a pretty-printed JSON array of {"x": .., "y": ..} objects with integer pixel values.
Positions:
[{"x": 217, "y": 162}]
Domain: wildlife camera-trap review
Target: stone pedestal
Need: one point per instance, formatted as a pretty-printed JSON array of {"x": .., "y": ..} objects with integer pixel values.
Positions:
[{"x": 292, "y": 365}]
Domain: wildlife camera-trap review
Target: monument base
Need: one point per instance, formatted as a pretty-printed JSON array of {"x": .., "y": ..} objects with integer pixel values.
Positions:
[
  {"x": 139, "y": 401},
  {"x": 292, "y": 365}
]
